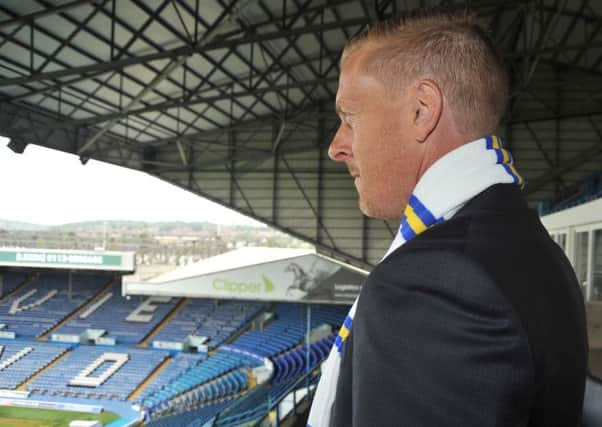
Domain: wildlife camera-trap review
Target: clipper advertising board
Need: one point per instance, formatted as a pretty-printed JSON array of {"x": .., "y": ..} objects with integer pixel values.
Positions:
[{"x": 271, "y": 274}]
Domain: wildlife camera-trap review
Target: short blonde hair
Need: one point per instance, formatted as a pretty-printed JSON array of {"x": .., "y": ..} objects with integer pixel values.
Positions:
[{"x": 454, "y": 50}]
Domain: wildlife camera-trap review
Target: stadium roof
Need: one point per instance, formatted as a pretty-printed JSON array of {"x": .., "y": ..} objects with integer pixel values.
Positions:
[
  {"x": 239, "y": 258},
  {"x": 233, "y": 100},
  {"x": 273, "y": 274}
]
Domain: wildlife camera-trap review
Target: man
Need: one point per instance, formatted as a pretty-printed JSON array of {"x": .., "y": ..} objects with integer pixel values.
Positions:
[{"x": 474, "y": 317}]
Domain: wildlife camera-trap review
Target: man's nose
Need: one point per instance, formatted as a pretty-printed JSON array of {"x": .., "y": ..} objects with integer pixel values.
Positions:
[{"x": 340, "y": 147}]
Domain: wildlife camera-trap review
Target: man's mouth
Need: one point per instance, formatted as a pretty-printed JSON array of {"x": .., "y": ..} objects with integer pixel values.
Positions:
[{"x": 355, "y": 174}]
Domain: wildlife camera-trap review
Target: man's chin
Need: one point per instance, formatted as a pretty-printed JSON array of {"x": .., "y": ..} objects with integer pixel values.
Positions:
[{"x": 376, "y": 213}]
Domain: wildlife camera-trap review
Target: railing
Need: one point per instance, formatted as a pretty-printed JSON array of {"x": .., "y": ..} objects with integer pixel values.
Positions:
[{"x": 264, "y": 404}]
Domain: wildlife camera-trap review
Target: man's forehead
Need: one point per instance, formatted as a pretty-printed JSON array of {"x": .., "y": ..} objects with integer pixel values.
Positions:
[{"x": 354, "y": 83}]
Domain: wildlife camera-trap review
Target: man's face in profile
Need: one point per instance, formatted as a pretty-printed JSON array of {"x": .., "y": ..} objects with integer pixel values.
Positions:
[{"x": 373, "y": 141}]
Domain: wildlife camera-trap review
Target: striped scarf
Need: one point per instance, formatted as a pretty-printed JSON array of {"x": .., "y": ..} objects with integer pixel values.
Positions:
[{"x": 444, "y": 189}]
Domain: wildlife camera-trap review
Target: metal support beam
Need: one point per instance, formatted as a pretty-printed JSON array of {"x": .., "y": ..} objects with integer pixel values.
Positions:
[
  {"x": 275, "y": 175},
  {"x": 308, "y": 201},
  {"x": 567, "y": 166},
  {"x": 65, "y": 42},
  {"x": 154, "y": 83},
  {"x": 48, "y": 11},
  {"x": 196, "y": 100},
  {"x": 232, "y": 168},
  {"x": 321, "y": 137},
  {"x": 177, "y": 52}
]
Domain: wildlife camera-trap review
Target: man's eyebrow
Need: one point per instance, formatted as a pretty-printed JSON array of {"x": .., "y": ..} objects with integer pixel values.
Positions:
[
  {"x": 338, "y": 110},
  {"x": 341, "y": 112}
]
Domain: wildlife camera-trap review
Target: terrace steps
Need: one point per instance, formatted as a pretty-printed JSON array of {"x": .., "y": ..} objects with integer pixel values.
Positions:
[
  {"x": 75, "y": 313},
  {"x": 23, "y": 386},
  {"x": 132, "y": 397},
  {"x": 179, "y": 306}
]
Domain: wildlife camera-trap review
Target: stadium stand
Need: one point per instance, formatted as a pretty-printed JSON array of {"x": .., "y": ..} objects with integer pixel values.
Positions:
[
  {"x": 292, "y": 364},
  {"x": 589, "y": 189},
  {"x": 20, "y": 360},
  {"x": 111, "y": 312},
  {"x": 214, "y": 378},
  {"x": 282, "y": 341},
  {"x": 288, "y": 330},
  {"x": 257, "y": 404},
  {"x": 44, "y": 302},
  {"x": 194, "y": 418},
  {"x": 189, "y": 389},
  {"x": 216, "y": 320},
  {"x": 119, "y": 385},
  {"x": 180, "y": 363}
]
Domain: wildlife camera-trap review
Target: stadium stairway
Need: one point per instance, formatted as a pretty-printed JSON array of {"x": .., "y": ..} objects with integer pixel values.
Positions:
[
  {"x": 217, "y": 322},
  {"x": 132, "y": 397},
  {"x": 74, "y": 313},
  {"x": 25, "y": 384},
  {"x": 179, "y": 306}
]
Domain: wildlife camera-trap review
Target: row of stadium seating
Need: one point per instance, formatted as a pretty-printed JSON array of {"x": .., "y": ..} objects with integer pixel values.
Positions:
[
  {"x": 43, "y": 302},
  {"x": 177, "y": 365},
  {"x": 589, "y": 189},
  {"x": 256, "y": 405},
  {"x": 282, "y": 336},
  {"x": 40, "y": 356},
  {"x": 288, "y": 330},
  {"x": 223, "y": 387},
  {"x": 25, "y": 315},
  {"x": 112, "y": 316},
  {"x": 56, "y": 381},
  {"x": 187, "y": 383},
  {"x": 282, "y": 341},
  {"x": 209, "y": 318},
  {"x": 293, "y": 363},
  {"x": 207, "y": 380},
  {"x": 194, "y": 418}
]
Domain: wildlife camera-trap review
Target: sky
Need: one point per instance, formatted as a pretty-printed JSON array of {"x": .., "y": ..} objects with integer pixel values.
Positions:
[{"x": 45, "y": 186}]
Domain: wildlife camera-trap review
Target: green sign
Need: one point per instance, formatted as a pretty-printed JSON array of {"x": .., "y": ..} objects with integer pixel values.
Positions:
[
  {"x": 222, "y": 284},
  {"x": 60, "y": 258}
]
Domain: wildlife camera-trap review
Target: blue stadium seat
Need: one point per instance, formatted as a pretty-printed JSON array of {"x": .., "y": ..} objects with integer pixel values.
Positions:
[
  {"x": 112, "y": 315},
  {"x": 31, "y": 320}
]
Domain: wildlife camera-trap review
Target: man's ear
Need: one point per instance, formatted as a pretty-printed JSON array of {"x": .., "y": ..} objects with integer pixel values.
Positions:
[{"x": 429, "y": 105}]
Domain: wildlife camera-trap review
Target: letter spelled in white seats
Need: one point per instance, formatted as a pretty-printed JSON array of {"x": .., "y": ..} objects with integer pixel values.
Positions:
[
  {"x": 144, "y": 312},
  {"x": 16, "y": 306},
  {"x": 86, "y": 378}
]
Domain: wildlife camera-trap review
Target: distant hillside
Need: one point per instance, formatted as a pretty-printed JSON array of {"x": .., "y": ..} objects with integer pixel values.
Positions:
[
  {"x": 23, "y": 226},
  {"x": 98, "y": 226},
  {"x": 131, "y": 225},
  {"x": 155, "y": 243}
]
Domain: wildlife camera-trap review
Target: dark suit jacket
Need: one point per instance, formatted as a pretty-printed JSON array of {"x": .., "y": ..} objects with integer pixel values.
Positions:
[{"x": 476, "y": 322}]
